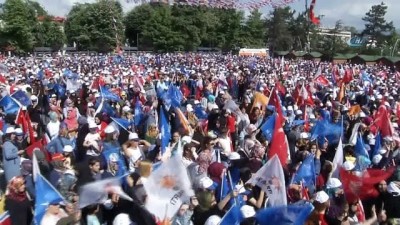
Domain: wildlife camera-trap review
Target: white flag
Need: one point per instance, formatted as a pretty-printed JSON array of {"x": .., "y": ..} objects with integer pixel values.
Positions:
[
  {"x": 35, "y": 165},
  {"x": 338, "y": 159},
  {"x": 97, "y": 192},
  {"x": 167, "y": 187},
  {"x": 271, "y": 180}
]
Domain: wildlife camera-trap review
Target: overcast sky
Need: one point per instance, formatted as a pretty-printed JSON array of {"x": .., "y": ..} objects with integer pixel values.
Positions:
[{"x": 349, "y": 11}]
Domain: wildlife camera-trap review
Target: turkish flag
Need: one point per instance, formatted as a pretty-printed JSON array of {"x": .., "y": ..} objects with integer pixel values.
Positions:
[
  {"x": 363, "y": 187},
  {"x": 279, "y": 144},
  {"x": 321, "y": 80}
]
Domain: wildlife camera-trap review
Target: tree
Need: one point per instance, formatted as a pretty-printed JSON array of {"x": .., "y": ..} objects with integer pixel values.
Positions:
[
  {"x": 299, "y": 28},
  {"x": 49, "y": 33},
  {"x": 170, "y": 28},
  {"x": 376, "y": 25},
  {"x": 96, "y": 26},
  {"x": 18, "y": 25},
  {"x": 279, "y": 35},
  {"x": 255, "y": 30}
]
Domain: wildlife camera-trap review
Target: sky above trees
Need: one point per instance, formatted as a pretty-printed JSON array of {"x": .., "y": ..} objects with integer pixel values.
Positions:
[{"x": 331, "y": 9}]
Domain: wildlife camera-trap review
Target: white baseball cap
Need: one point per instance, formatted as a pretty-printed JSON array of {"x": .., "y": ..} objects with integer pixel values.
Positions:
[
  {"x": 109, "y": 130},
  {"x": 133, "y": 136},
  {"x": 122, "y": 219},
  {"x": 348, "y": 166},
  {"x": 321, "y": 197},
  {"x": 213, "y": 220},
  {"x": 10, "y": 130},
  {"x": 333, "y": 183},
  {"x": 68, "y": 148}
]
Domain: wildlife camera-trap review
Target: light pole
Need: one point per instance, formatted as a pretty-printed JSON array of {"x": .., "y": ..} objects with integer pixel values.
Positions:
[{"x": 394, "y": 47}]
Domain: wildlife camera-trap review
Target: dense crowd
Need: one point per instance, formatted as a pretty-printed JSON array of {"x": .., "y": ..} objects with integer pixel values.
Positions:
[{"x": 198, "y": 139}]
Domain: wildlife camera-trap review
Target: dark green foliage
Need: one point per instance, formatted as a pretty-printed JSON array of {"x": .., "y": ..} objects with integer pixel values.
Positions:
[{"x": 94, "y": 26}]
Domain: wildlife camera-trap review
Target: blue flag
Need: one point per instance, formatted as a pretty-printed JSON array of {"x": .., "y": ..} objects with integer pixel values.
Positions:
[
  {"x": 107, "y": 109},
  {"x": 324, "y": 129},
  {"x": 138, "y": 113},
  {"x": 114, "y": 154},
  {"x": 362, "y": 155},
  {"x": 165, "y": 130},
  {"x": 199, "y": 112},
  {"x": 232, "y": 217},
  {"x": 107, "y": 94},
  {"x": 359, "y": 148},
  {"x": 9, "y": 105},
  {"x": 124, "y": 123},
  {"x": 268, "y": 127},
  {"x": 378, "y": 144},
  {"x": 22, "y": 97},
  {"x": 45, "y": 194},
  {"x": 285, "y": 215},
  {"x": 59, "y": 89},
  {"x": 306, "y": 172},
  {"x": 176, "y": 95}
]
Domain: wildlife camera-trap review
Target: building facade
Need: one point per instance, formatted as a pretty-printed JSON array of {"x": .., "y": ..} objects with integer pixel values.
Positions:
[{"x": 344, "y": 35}]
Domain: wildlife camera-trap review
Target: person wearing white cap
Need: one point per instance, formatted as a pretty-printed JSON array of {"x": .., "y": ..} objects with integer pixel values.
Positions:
[
  {"x": 123, "y": 219},
  {"x": 11, "y": 155},
  {"x": 213, "y": 220},
  {"x": 134, "y": 150},
  {"x": 321, "y": 202},
  {"x": 92, "y": 140},
  {"x": 348, "y": 165}
]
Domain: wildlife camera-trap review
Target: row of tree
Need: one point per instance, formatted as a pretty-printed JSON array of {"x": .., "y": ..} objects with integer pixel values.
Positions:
[{"x": 102, "y": 25}]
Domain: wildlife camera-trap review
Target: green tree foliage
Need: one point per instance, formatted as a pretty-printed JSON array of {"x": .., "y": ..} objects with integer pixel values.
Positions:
[
  {"x": 96, "y": 26},
  {"x": 178, "y": 27},
  {"x": 376, "y": 26},
  {"x": 299, "y": 28},
  {"x": 19, "y": 20},
  {"x": 254, "y": 30},
  {"x": 279, "y": 33},
  {"x": 49, "y": 33}
]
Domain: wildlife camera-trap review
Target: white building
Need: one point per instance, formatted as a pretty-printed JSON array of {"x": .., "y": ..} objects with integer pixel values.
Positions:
[{"x": 344, "y": 35}]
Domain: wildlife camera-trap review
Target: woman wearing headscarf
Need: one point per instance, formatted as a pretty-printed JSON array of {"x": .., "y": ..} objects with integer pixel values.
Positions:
[
  {"x": 53, "y": 127},
  {"x": 11, "y": 155},
  {"x": 18, "y": 203},
  {"x": 71, "y": 114}
]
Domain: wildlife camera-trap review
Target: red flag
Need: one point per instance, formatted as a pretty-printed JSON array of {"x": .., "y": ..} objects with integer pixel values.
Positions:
[
  {"x": 362, "y": 187},
  {"x": 275, "y": 101},
  {"x": 321, "y": 80},
  {"x": 348, "y": 76},
  {"x": 35, "y": 145},
  {"x": 313, "y": 19},
  {"x": 382, "y": 121},
  {"x": 278, "y": 145}
]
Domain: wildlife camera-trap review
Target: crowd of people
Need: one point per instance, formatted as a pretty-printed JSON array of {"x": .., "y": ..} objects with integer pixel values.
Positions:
[{"x": 225, "y": 123}]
